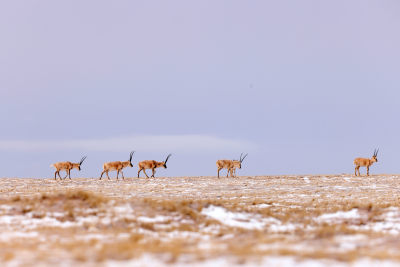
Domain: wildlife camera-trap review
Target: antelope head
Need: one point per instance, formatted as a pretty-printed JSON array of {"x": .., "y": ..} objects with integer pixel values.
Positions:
[
  {"x": 241, "y": 160},
  {"x": 374, "y": 157},
  {"x": 165, "y": 161},
  {"x": 78, "y": 165}
]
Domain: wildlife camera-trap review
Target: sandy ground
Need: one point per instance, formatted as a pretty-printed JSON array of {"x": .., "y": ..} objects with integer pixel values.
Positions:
[{"x": 324, "y": 220}]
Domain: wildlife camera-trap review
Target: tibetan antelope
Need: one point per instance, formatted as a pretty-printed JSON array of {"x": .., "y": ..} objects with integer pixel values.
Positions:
[
  {"x": 228, "y": 164},
  {"x": 117, "y": 166},
  {"x": 151, "y": 164},
  {"x": 237, "y": 164},
  {"x": 364, "y": 162},
  {"x": 67, "y": 167}
]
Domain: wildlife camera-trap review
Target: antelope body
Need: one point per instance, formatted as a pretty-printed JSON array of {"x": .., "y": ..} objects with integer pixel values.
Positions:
[
  {"x": 230, "y": 165},
  {"x": 153, "y": 165},
  {"x": 117, "y": 166},
  {"x": 365, "y": 162},
  {"x": 67, "y": 167},
  {"x": 224, "y": 164}
]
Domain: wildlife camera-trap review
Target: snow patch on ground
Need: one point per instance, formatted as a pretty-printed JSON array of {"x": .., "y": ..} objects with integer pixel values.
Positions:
[
  {"x": 339, "y": 216},
  {"x": 125, "y": 209},
  {"x": 31, "y": 223},
  {"x": 350, "y": 242},
  {"x": 234, "y": 219},
  {"x": 12, "y": 235},
  {"x": 262, "y": 206},
  {"x": 157, "y": 219},
  {"x": 246, "y": 220},
  {"x": 389, "y": 222},
  {"x": 280, "y": 228},
  {"x": 271, "y": 261}
]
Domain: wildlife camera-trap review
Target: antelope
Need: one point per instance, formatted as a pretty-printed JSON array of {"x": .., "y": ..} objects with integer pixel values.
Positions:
[
  {"x": 237, "y": 164},
  {"x": 364, "y": 162},
  {"x": 67, "y": 166},
  {"x": 153, "y": 165},
  {"x": 228, "y": 164},
  {"x": 117, "y": 166}
]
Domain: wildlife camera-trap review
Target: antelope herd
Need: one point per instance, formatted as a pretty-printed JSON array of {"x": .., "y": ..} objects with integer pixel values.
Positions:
[{"x": 230, "y": 165}]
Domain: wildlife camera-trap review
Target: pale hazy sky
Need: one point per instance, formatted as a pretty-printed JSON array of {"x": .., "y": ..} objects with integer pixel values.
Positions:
[{"x": 302, "y": 86}]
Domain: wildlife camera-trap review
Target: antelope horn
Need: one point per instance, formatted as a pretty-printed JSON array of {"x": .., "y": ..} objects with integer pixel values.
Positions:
[
  {"x": 240, "y": 159},
  {"x": 82, "y": 160},
  {"x": 169, "y": 155},
  {"x": 243, "y": 158},
  {"x": 131, "y": 155}
]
